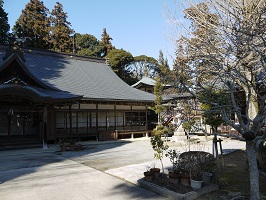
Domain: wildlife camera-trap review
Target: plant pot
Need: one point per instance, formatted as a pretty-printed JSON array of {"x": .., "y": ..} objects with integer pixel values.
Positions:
[
  {"x": 156, "y": 172},
  {"x": 63, "y": 147},
  {"x": 148, "y": 176},
  {"x": 185, "y": 180},
  {"x": 174, "y": 177},
  {"x": 195, "y": 184},
  {"x": 207, "y": 177}
]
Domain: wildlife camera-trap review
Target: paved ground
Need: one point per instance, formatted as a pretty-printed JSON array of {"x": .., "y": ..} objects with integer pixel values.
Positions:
[{"x": 99, "y": 172}]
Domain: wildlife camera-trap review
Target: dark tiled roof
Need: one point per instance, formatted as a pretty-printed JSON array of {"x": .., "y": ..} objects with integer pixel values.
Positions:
[
  {"x": 145, "y": 80},
  {"x": 38, "y": 93},
  {"x": 90, "y": 78}
]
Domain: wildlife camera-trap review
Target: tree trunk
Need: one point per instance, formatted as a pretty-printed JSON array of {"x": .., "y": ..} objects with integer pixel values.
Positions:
[{"x": 253, "y": 170}]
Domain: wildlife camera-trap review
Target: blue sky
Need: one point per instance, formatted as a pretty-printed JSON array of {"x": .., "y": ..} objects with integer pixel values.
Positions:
[{"x": 137, "y": 26}]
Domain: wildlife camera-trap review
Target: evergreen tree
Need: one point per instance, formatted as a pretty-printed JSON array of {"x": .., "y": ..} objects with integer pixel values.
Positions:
[
  {"x": 119, "y": 60},
  {"x": 106, "y": 39},
  {"x": 32, "y": 27},
  {"x": 163, "y": 61},
  {"x": 88, "y": 45},
  {"x": 60, "y": 30},
  {"x": 163, "y": 67},
  {"x": 4, "y": 26},
  {"x": 158, "y": 92}
]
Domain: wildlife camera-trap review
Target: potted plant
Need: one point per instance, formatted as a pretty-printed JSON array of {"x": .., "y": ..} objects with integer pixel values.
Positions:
[
  {"x": 69, "y": 145},
  {"x": 207, "y": 177},
  {"x": 191, "y": 165},
  {"x": 196, "y": 162},
  {"x": 62, "y": 143},
  {"x": 159, "y": 148},
  {"x": 148, "y": 175},
  {"x": 195, "y": 175},
  {"x": 156, "y": 172},
  {"x": 209, "y": 166},
  {"x": 174, "y": 173},
  {"x": 185, "y": 178}
]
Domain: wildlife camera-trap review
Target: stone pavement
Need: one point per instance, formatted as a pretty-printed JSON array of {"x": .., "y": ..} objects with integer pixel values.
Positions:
[
  {"x": 45, "y": 174},
  {"x": 132, "y": 173},
  {"x": 39, "y": 174}
]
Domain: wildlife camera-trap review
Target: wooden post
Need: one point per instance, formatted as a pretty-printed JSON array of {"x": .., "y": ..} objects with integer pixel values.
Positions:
[
  {"x": 214, "y": 147},
  {"x": 97, "y": 126},
  {"x": 9, "y": 125},
  {"x": 70, "y": 121},
  {"x": 115, "y": 113},
  {"x": 116, "y": 135},
  {"x": 45, "y": 127},
  {"x": 221, "y": 150}
]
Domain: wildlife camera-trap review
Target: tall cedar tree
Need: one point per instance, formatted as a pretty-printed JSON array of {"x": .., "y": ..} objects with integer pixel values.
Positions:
[
  {"x": 32, "y": 27},
  {"x": 4, "y": 26},
  {"x": 106, "y": 39},
  {"x": 60, "y": 37}
]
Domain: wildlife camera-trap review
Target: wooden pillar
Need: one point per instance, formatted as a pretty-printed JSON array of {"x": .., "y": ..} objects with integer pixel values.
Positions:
[
  {"x": 9, "y": 124},
  {"x": 221, "y": 150},
  {"x": 146, "y": 123},
  {"x": 115, "y": 116},
  {"x": 45, "y": 127},
  {"x": 147, "y": 134},
  {"x": 70, "y": 120},
  {"x": 131, "y": 125},
  {"x": 97, "y": 126}
]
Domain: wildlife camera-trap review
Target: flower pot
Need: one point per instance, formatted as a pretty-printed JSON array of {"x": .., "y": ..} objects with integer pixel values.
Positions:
[
  {"x": 207, "y": 177},
  {"x": 148, "y": 176},
  {"x": 156, "y": 172},
  {"x": 195, "y": 184},
  {"x": 185, "y": 180},
  {"x": 63, "y": 147},
  {"x": 174, "y": 177}
]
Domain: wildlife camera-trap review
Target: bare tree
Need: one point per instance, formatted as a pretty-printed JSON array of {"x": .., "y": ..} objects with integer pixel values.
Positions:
[{"x": 224, "y": 48}]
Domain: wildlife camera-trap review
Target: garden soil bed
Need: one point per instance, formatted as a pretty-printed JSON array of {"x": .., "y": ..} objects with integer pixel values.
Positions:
[
  {"x": 164, "y": 182},
  {"x": 233, "y": 182},
  {"x": 234, "y": 179}
]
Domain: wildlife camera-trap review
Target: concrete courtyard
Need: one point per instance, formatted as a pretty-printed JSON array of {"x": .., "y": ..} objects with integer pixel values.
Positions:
[{"x": 105, "y": 170}]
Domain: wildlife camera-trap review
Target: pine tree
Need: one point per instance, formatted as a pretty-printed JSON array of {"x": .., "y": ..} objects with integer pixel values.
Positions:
[
  {"x": 61, "y": 39},
  {"x": 4, "y": 26},
  {"x": 106, "y": 39},
  {"x": 32, "y": 27}
]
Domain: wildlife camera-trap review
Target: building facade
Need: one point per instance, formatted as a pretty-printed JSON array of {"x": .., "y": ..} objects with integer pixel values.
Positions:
[{"x": 45, "y": 96}]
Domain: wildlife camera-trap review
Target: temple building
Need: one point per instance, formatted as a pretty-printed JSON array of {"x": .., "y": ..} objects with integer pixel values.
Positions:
[{"x": 45, "y": 96}]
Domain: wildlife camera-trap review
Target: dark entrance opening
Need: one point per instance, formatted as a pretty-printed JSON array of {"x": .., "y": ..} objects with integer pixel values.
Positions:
[{"x": 19, "y": 128}]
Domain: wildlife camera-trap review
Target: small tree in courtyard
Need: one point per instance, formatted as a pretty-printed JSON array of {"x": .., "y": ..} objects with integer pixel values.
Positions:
[
  {"x": 159, "y": 147},
  {"x": 212, "y": 115}
]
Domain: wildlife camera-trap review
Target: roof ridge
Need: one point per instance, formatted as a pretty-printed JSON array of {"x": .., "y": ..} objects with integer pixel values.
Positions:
[{"x": 58, "y": 54}]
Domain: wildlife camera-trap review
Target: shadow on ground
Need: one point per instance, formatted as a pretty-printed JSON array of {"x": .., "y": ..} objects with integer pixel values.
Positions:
[{"x": 18, "y": 163}]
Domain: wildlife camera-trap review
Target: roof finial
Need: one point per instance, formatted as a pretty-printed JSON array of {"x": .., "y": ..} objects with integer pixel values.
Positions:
[{"x": 14, "y": 49}]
